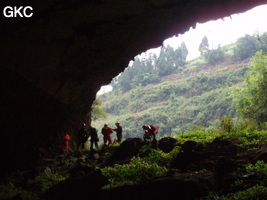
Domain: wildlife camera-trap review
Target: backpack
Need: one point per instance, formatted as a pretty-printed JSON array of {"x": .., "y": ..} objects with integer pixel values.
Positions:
[{"x": 156, "y": 130}]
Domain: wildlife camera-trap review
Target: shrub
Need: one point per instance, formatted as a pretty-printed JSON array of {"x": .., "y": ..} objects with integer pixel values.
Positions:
[
  {"x": 136, "y": 171},
  {"x": 260, "y": 168},
  {"x": 33, "y": 188},
  {"x": 254, "y": 193},
  {"x": 43, "y": 182},
  {"x": 155, "y": 155},
  {"x": 227, "y": 124},
  {"x": 8, "y": 191}
]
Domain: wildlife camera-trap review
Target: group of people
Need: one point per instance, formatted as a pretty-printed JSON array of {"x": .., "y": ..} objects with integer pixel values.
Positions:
[
  {"x": 107, "y": 131},
  {"x": 82, "y": 138},
  {"x": 83, "y": 135}
]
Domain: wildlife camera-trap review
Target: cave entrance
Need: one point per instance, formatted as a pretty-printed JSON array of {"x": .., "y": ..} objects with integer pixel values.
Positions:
[{"x": 183, "y": 57}]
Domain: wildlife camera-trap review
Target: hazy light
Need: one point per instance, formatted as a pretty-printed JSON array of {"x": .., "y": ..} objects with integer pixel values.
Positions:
[{"x": 219, "y": 32}]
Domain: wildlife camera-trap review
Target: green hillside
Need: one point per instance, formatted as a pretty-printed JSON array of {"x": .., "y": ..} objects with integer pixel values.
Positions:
[
  {"x": 182, "y": 96},
  {"x": 175, "y": 106}
]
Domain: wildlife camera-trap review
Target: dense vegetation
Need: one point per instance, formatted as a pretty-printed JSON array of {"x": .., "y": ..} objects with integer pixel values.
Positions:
[
  {"x": 249, "y": 180},
  {"x": 196, "y": 93},
  {"x": 251, "y": 98},
  {"x": 176, "y": 106}
]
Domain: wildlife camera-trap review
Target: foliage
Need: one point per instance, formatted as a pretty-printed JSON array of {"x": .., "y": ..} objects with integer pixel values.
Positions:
[
  {"x": 153, "y": 162},
  {"x": 251, "y": 99},
  {"x": 43, "y": 182},
  {"x": 246, "y": 134},
  {"x": 9, "y": 190},
  {"x": 250, "y": 190},
  {"x": 260, "y": 167},
  {"x": 248, "y": 45},
  {"x": 214, "y": 56},
  {"x": 147, "y": 70},
  {"x": 174, "y": 107},
  {"x": 150, "y": 155},
  {"x": 192, "y": 95},
  {"x": 97, "y": 111},
  {"x": 136, "y": 171},
  {"x": 199, "y": 135},
  {"x": 169, "y": 59},
  {"x": 33, "y": 188},
  {"x": 257, "y": 192},
  {"x": 227, "y": 124},
  {"x": 204, "y": 45},
  {"x": 149, "y": 163}
]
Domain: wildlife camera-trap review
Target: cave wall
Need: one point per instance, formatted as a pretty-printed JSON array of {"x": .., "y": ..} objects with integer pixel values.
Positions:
[{"x": 53, "y": 63}]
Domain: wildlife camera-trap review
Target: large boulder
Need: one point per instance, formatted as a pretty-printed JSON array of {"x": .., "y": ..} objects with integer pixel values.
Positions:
[
  {"x": 192, "y": 146},
  {"x": 128, "y": 148},
  {"x": 80, "y": 187},
  {"x": 167, "y": 144}
]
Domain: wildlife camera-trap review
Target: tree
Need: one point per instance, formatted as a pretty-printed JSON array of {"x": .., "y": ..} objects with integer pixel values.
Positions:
[
  {"x": 165, "y": 64},
  {"x": 247, "y": 46},
  {"x": 180, "y": 54},
  {"x": 251, "y": 99},
  {"x": 96, "y": 111},
  {"x": 142, "y": 71},
  {"x": 204, "y": 45},
  {"x": 214, "y": 56},
  {"x": 169, "y": 59},
  {"x": 263, "y": 42}
]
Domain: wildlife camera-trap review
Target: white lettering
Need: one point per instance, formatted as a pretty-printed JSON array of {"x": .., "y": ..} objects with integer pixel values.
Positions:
[
  {"x": 17, "y": 11},
  {"x": 8, "y": 11},
  {"x": 24, "y": 11},
  {"x": 21, "y": 11}
]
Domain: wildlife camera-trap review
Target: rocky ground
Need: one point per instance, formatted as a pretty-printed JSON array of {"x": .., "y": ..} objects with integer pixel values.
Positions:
[{"x": 195, "y": 172}]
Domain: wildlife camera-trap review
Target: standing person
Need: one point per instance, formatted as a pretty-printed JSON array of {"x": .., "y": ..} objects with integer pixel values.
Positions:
[
  {"x": 94, "y": 138},
  {"x": 150, "y": 130},
  {"x": 82, "y": 137},
  {"x": 106, "y": 132},
  {"x": 65, "y": 144},
  {"x": 118, "y": 131}
]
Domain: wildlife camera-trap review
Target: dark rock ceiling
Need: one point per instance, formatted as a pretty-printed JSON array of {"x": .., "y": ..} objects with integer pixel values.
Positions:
[{"x": 53, "y": 63}]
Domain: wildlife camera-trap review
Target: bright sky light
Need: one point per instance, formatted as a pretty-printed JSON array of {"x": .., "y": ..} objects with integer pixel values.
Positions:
[
  {"x": 219, "y": 32},
  {"x": 222, "y": 31}
]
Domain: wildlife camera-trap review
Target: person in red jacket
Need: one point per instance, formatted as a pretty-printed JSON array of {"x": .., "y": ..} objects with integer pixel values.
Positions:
[
  {"x": 106, "y": 132},
  {"x": 65, "y": 145},
  {"x": 150, "y": 130}
]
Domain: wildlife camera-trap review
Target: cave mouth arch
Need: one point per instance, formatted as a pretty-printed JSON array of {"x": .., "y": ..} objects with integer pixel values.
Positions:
[
  {"x": 214, "y": 29},
  {"x": 53, "y": 64},
  {"x": 248, "y": 16}
]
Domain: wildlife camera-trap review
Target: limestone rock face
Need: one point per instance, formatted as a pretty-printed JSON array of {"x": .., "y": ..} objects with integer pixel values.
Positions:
[{"x": 53, "y": 63}]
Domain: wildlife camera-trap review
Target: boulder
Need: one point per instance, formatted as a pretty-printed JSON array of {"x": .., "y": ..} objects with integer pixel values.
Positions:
[
  {"x": 192, "y": 146},
  {"x": 221, "y": 142},
  {"x": 167, "y": 144},
  {"x": 187, "y": 161},
  {"x": 128, "y": 148},
  {"x": 80, "y": 187}
]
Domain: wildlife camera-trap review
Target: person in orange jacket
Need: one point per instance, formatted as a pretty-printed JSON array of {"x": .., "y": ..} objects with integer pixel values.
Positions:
[
  {"x": 106, "y": 132},
  {"x": 65, "y": 145},
  {"x": 150, "y": 130}
]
